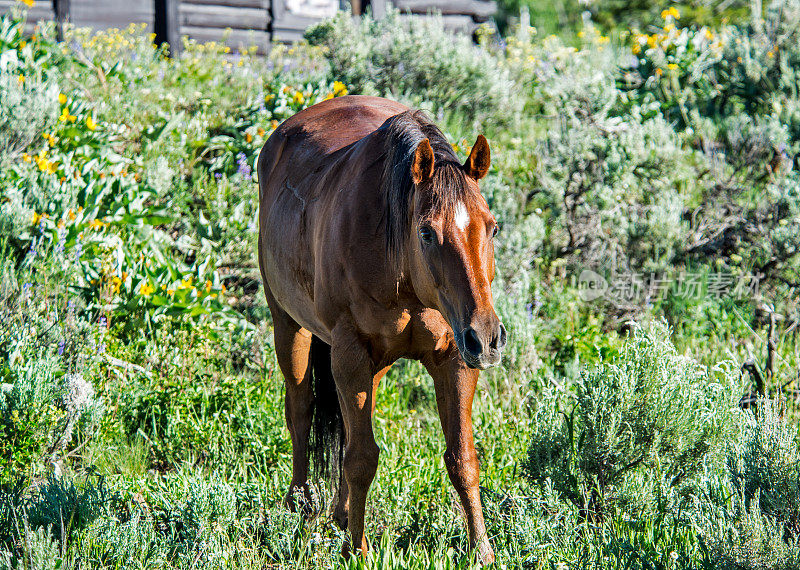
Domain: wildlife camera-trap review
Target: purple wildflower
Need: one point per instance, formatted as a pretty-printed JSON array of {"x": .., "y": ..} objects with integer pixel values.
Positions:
[
  {"x": 62, "y": 240},
  {"x": 61, "y": 345},
  {"x": 244, "y": 167}
]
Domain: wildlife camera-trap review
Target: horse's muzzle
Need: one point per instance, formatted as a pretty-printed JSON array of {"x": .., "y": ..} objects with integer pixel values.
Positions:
[{"x": 482, "y": 351}]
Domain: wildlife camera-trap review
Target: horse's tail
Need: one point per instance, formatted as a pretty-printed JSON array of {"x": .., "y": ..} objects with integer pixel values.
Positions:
[{"x": 327, "y": 428}]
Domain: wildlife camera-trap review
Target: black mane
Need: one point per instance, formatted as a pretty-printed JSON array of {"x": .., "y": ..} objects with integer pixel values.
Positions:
[{"x": 404, "y": 132}]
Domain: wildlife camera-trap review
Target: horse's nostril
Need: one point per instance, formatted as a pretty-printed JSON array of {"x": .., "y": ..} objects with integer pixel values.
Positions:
[
  {"x": 472, "y": 343},
  {"x": 502, "y": 337},
  {"x": 499, "y": 339}
]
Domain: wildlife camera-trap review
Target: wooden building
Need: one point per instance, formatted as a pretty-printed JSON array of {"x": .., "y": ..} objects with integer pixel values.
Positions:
[{"x": 240, "y": 22}]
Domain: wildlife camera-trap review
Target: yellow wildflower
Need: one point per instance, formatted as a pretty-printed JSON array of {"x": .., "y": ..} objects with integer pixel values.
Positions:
[
  {"x": 36, "y": 218},
  {"x": 672, "y": 66},
  {"x": 248, "y": 137},
  {"x": 339, "y": 89},
  {"x": 208, "y": 285},
  {"x": 659, "y": 71},
  {"x": 116, "y": 282},
  {"x": 146, "y": 289},
  {"x": 26, "y": 157},
  {"x": 299, "y": 98},
  {"x": 23, "y": 43},
  {"x": 770, "y": 53},
  {"x": 21, "y": 79},
  {"x": 672, "y": 11},
  {"x": 62, "y": 98},
  {"x": 274, "y": 124},
  {"x": 66, "y": 117},
  {"x": 90, "y": 124},
  {"x": 603, "y": 39},
  {"x": 261, "y": 132},
  {"x": 185, "y": 283},
  {"x": 28, "y": 3}
]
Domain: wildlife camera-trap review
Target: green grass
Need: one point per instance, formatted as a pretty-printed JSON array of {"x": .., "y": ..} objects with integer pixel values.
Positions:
[{"x": 141, "y": 406}]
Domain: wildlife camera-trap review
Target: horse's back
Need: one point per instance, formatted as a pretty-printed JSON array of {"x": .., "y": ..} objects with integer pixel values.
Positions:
[{"x": 336, "y": 123}]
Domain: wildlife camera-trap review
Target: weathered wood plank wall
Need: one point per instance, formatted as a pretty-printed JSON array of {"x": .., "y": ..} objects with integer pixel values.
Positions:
[
  {"x": 240, "y": 23},
  {"x": 105, "y": 14}
]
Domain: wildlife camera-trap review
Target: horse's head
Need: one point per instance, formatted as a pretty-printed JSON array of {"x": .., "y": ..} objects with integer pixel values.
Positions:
[{"x": 451, "y": 250}]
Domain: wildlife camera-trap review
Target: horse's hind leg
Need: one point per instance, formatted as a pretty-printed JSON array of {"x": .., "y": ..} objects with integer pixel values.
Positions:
[{"x": 293, "y": 349}]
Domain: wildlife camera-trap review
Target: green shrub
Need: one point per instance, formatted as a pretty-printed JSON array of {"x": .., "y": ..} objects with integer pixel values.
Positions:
[
  {"x": 749, "y": 518},
  {"x": 38, "y": 549},
  {"x": 419, "y": 62},
  {"x": 639, "y": 428},
  {"x": 765, "y": 466},
  {"x": 41, "y": 408},
  {"x": 28, "y": 106}
]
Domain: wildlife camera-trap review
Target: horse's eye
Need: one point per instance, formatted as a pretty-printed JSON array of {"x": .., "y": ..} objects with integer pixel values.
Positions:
[
  {"x": 495, "y": 230},
  {"x": 426, "y": 235}
]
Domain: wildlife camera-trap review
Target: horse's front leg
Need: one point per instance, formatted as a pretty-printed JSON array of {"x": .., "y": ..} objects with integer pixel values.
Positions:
[
  {"x": 356, "y": 382},
  {"x": 455, "y": 387}
]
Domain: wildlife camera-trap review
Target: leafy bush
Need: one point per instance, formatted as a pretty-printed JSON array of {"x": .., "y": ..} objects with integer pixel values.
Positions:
[
  {"x": 765, "y": 467},
  {"x": 749, "y": 519},
  {"x": 41, "y": 408},
  {"x": 28, "y": 106},
  {"x": 419, "y": 62},
  {"x": 640, "y": 427}
]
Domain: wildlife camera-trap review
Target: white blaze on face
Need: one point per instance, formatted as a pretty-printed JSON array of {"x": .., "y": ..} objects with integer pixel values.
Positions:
[{"x": 461, "y": 217}]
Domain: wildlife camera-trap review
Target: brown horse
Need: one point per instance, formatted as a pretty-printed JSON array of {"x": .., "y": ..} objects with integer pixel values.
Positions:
[{"x": 375, "y": 244}]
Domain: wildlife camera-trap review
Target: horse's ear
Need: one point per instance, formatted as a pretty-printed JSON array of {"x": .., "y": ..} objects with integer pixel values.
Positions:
[
  {"x": 479, "y": 159},
  {"x": 422, "y": 169}
]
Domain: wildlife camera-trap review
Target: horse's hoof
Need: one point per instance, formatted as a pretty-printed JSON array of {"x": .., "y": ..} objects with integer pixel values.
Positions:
[
  {"x": 485, "y": 554},
  {"x": 298, "y": 499}
]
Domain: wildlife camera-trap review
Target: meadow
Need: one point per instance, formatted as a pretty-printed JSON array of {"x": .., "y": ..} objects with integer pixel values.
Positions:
[{"x": 647, "y": 184}]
